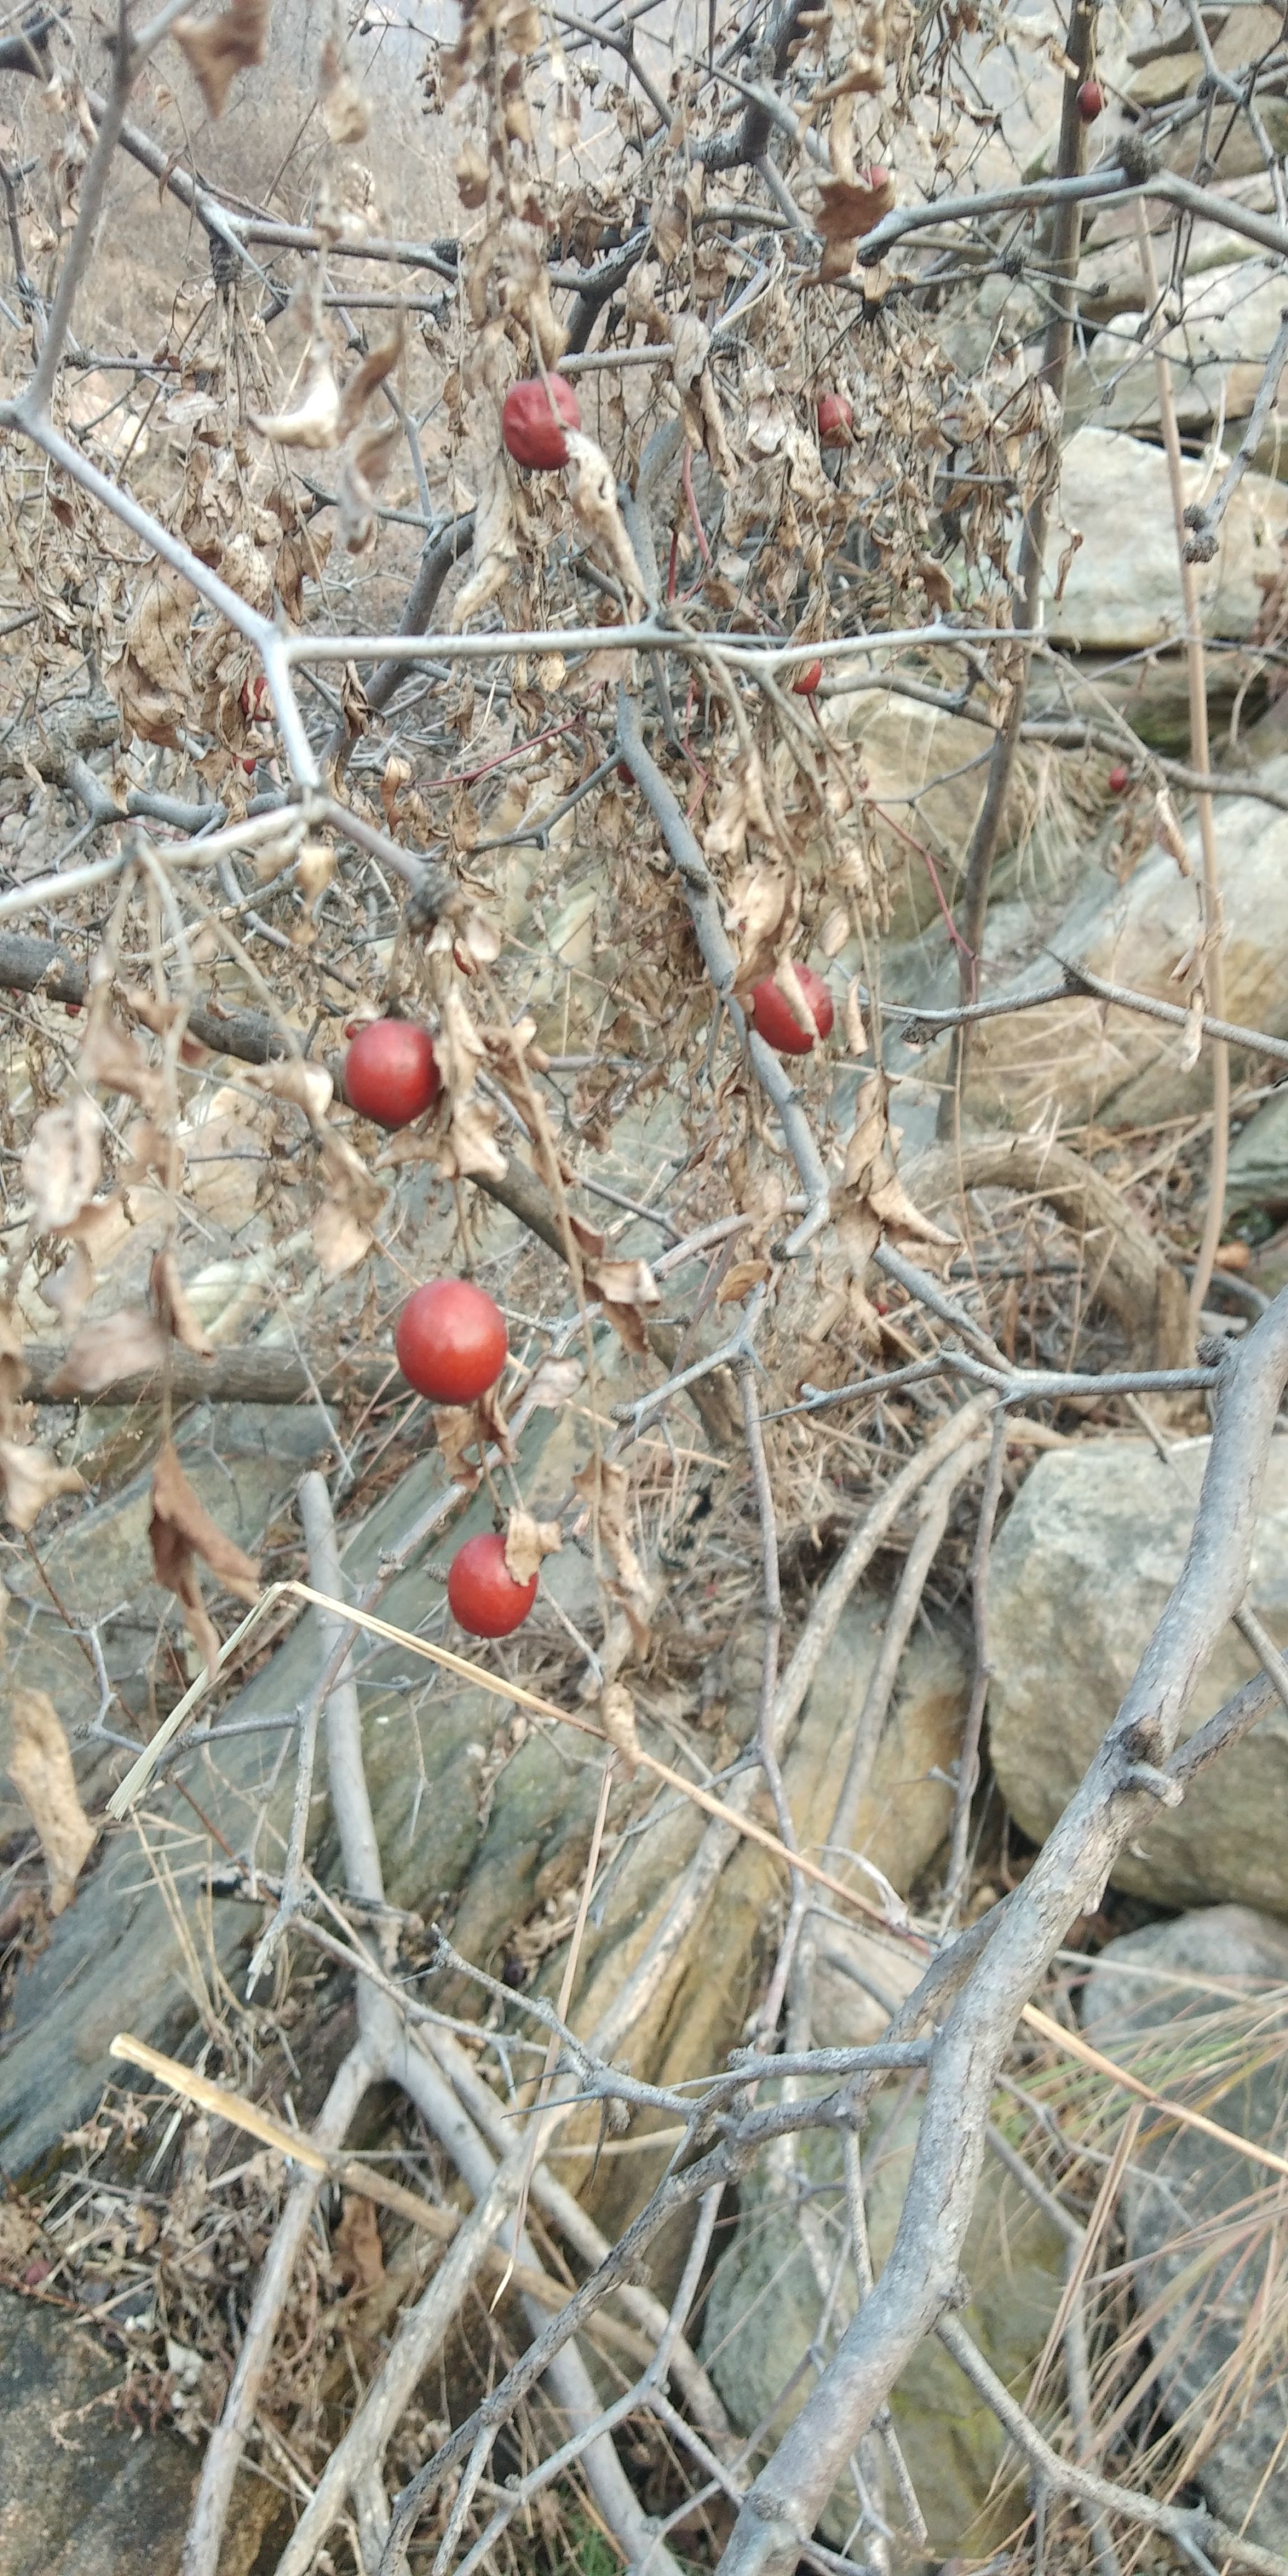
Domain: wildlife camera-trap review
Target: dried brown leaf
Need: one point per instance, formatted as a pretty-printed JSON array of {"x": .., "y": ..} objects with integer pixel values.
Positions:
[
  {"x": 181, "y": 1530},
  {"x": 218, "y": 48},
  {"x": 110, "y": 1056},
  {"x": 63, "y": 1164},
  {"x": 150, "y": 675},
  {"x": 174, "y": 1311},
  {"x": 456, "y": 1429},
  {"x": 315, "y": 420},
  {"x": 554, "y": 1382},
  {"x": 307, "y": 1086},
  {"x": 739, "y": 1280},
  {"x": 31, "y": 1479},
  {"x": 127, "y": 1345},
  {"x": 592, "y": 490},
  {"x": 1167, "y": 826},
  {"x": 528, "y": 1542},
  {"x": 617, "y": 1718},
  {"x": 346, "y": 114},
  {"x": 355, "y": 2243},
  {"x": 40, "y": 1767}
]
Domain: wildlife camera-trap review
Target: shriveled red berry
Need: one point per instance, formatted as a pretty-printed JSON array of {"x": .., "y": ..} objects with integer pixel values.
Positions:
[
  {"x": 451, "y": 1341},
  {"x": 532, "y": 433},
  {"x": 835, "y": 421},
  {"x": 1091, "y": 101},
  {"x": 773, "y": 1018},
  {"x": 808, "y": 681},
  {"x": 482, "y": 1593},
  {"x": 626, "y": 773},
  {"x": 391, "y": 1073},
  {"x": 1119, "y": 780}
]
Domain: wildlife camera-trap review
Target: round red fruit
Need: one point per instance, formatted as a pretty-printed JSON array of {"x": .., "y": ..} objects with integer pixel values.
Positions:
[
  {"x": 1119, "y": 780},
  {"x": 482, "y": 1592},
  {"x": 390, "y": 1072},
  {"x": 532, "y": 433},
  {"x": 451, "y": 1341},
  {"x": 1091, "y": 101},
  {"x": 625, "y": 773},
  {"x": 808, "y": 681},
  {"x": 835, "y": 421},
  {"x": 774, "y": 1020}
]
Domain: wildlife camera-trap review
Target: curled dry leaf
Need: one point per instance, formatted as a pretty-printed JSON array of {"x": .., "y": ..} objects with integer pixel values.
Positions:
[
  {"x": 181, "y": 1530},
  {"x": 739, "y": 1281},
  {"x": 342, "y": 1226},
  {"x": 355, "y": 2243},
  {"x": 63, "y": 1164},
  {"x": 149, "y": 676},
  {"x": 307, "y": 1086},
  {"x": 456, "y": 1430},
  {"x": 553, "y": 1383},
  {"x": 496, "y": 543},
  {"x": 129, "y": 1345},
  {"x": 1168, "y": 828},
  {"x": 626, "y": 1290},
  {"x": 218, "y": 48},
  {"x": 110, "y": 1056},
  {"x": 592, "y": 490},
  {"x": 40, "y": 1767},
  {"x": 315, "y": 420},
  {"x": 363, "y": 468},
  {"x": 368, "y": 376},
  {"x": 340, "y": 1239},
  {"x": 856, "y": 1034},
  {"x": 345, "y": 112},
  {"x": 617, "y": 1718},
  {"x": 762, "y": 914},
  {"x": 527, "y": 1542},
  {"x": 153, "y": 1155},
  {"x": 871, "y": 1200},
  {"x": 606, "y": 1486},
  {"x": 31, "y": 1478},
  {"x": 174, "y": 1312}
]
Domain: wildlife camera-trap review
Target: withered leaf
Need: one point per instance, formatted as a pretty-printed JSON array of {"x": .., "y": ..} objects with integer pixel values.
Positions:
[
  {"x": 149, "y": 676},
  {"x": 31, "y": 1479},
  {"x": 218, "y": 48},
  {"x": 130, "y": 1344},
  {"x": 345, "y": 112},
  {"x": 14, "y": 1371},
  {"x": 110, "y": 1056},
  {"x": 378, "y": 363},
  {"x": 340, "y": 1239},
  {"x": 174, "y": 1310},
  {"x": 739, "y": 1281},
  {"x": 363, "y": 468},
  {"x": 315, "y": 420},
  {"x": 456, "y": 1429},
  {"x": 63, "y": 1164},
  {"x": 40, "y": 1767},
  {"x": 617, "y": 1718},
  {"x": 181, "y": 1530},
  {"x": 355, "y": 2243},
  {"x": 606, "y": 1486},
  {"x": 553, "y": 1382},
  {"x": 307, "y": 1086},
  {"x": 527, "y": 1542},
  {"x": 592, "y": 489}
]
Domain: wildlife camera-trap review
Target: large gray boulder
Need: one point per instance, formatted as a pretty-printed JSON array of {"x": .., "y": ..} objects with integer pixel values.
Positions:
[
  {"x": 1188, "y": 2002},
  {"x": 1081, "y": 1570},
  {"x": 1123, "y": 586}
]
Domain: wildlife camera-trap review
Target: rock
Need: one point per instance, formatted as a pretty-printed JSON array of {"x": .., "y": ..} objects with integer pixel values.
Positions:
[
  {"x": 243, "y": 1460},
  {"x": 1081, "y": 1569},
  {"x": 1123, "y": 589},
  {"x": 767, "y": 2300},
  {"x": 1200, "y": 2261},
  {"x": 701, "y": 2008},
  {"x": 907, "y": 749},
  {"x": 1100, "y": 1062},
  {"x": 1218, "y": 356},
  {"x": 1258, "y": 1172}
]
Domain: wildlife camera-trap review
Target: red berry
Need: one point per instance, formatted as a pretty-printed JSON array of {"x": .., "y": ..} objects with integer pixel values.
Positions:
[
  {"x": 451, "y": 1341},
  {"x": 835, "y": 421},
  {"x": 1119, "y": 780},
  {"x": 774, "y": 1020},
  {"x": 528, "y": 425},
  {"x": 625, "y": 773},
  {"x": 72, "y": 1009},
  {"x": 808, "y": 681},
  {"x": 1091, "y": 101},
  {"x": 390, "y": 1072},
  {"x": 482, "y": 1592},
  {"x": 877, "y": 177}
]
